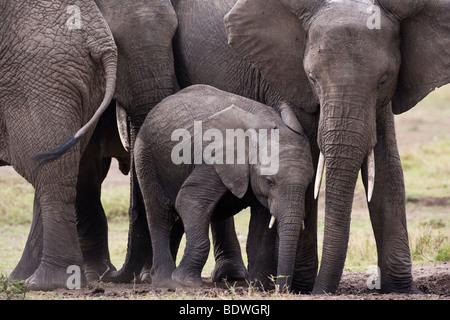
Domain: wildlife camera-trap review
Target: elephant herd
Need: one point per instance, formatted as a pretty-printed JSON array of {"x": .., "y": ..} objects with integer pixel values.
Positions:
[{"x": 324, "y": 78}]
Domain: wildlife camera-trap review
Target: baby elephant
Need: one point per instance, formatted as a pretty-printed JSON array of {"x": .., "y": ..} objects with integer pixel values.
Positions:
[{"x": 204, "y": 154}]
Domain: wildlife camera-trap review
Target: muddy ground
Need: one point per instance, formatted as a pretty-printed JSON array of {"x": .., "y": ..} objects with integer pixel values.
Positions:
[{"x": 432, "y": 279}]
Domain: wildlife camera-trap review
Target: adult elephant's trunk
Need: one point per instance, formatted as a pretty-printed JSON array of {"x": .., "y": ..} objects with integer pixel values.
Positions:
[{"x": 346, "y": 140}]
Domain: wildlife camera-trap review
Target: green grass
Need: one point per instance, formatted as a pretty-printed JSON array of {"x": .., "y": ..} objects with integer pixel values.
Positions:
[
  {"x": 16, "y": 205},
  {"x": 427, "y": 169}
]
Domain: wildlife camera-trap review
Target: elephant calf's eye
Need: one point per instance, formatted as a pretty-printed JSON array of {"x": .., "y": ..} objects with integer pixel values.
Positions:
[{"x": 270, "y": 181}]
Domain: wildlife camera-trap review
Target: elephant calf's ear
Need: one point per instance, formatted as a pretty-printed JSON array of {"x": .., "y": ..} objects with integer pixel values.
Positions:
[
  {"x": 232, "y": 120},
  {"x": 289, "y": 118}
]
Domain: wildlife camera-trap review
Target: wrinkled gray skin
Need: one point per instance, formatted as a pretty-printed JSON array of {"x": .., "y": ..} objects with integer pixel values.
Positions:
[
  {"x": 54, "y": 77},
  {"x": 340, "y": 77},
  {"x": 202, "y": 55},
  {"x": 201, "y": 192},
  {"x": 95, "y": 162},
  {"x": 143, "y": 31},
  {"x": 145, "y": 76},
  {"x": 321, "y": 56}
]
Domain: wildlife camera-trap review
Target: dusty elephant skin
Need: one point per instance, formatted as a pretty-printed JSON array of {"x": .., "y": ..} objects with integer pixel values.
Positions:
[
  {"x": 332, "y": 57},
  {"x": 199, "y": 190},
  {"x": 57, "y": 68}
]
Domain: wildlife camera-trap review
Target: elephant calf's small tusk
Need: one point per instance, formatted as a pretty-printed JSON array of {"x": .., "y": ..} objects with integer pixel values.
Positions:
[
  {"x": 272, "y": 221},
  {"x": 319, "y": 174},
  {"x": 303, "y": 225},
  {"x": 370, "y": 175}
]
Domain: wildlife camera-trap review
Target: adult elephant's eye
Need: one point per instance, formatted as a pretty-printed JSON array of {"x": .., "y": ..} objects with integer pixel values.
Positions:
[
  {"x": 382, "y": 81},
  {"x": 270, "y": 181}
]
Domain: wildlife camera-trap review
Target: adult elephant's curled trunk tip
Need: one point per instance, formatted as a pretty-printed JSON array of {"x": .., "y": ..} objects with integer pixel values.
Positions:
[{"x": 110, "y": 67}]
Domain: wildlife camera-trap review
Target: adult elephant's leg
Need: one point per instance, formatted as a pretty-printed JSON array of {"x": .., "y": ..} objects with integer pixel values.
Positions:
[
  {"x": 139, "y": 255},
  {"x": 31, "y": 255},
  {"x": 227, "y": 252},
  {"x": 387, "y": 210},
  {"x": 55, "y": 186},
  {"x": 91, "y": 219},
  {"x": 262, "y": 246}
]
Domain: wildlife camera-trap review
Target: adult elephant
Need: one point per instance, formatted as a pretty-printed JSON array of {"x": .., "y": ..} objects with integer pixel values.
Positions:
[
  {"x": 357, "y": 63},
  {"x": 270, "y": 40},
  {"x": 203, "y": 56},
  {"x": 143, "y": 31},
  {"x": 58, "y": 62}
]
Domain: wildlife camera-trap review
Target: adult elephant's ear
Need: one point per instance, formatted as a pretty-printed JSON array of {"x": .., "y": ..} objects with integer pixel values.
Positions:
[
  {"x": 229, "y": 159},
  {"x": 270, "y": 35},
  {"x": 425, "y": 46}
]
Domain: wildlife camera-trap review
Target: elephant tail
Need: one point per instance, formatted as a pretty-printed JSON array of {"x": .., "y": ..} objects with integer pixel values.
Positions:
[{"x": 110, "y": 66}]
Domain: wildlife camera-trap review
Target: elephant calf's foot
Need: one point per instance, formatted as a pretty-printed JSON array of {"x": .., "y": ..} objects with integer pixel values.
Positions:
[
  {"x": 187, "y": 278},
  {"x": 229, "y": 271},
  {"x": 47, "y": 278}
]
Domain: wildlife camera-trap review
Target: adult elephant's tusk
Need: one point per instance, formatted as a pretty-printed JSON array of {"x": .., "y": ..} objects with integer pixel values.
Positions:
[
  {"x": 319, "y": 174},
  {"x": 370, "y": 175},
  {"x": 122, "y": 119},
  {"x": 272, "y": 221}
]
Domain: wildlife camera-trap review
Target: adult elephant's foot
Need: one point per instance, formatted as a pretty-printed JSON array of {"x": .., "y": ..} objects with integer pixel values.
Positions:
[
  {"x": 160, "y": 278},
  {"x": 23, "y": 271},
  {"x": 145, "y": 275},
  {"x": 47, "y": 278},
  {"x": 412, "y": 289},
  {"x": 398, "y": 283},
  {"x": 187, "y": 278},
  {"x": 97, "y": 269},
  {"x": 229, "y": 270}
]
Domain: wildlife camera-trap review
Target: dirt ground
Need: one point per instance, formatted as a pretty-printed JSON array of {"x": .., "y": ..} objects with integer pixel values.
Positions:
[{"x": 432, "y": 279}]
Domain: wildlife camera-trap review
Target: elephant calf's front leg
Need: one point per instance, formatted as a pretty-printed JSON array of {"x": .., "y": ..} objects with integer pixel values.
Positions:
[
  {"x": 227, "y": 252},
  {"x": 195, "y": 203}
]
